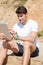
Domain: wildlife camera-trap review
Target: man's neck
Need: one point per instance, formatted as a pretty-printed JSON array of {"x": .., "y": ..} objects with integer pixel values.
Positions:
[{"x": 25, "y": 22}]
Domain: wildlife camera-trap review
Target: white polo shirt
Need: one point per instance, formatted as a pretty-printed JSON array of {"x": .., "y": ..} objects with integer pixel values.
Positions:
[{"x": 25, "y": 30}]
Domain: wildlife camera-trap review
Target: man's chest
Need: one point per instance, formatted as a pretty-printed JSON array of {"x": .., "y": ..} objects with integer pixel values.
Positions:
[{"x": 24, "y": 31}]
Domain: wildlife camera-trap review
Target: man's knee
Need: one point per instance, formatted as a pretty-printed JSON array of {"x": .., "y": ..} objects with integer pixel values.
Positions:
[{"x": 6, "y": 45}]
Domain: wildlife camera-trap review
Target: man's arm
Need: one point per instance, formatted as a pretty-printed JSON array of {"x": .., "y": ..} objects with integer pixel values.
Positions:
[{"x": 29, "y": 38}]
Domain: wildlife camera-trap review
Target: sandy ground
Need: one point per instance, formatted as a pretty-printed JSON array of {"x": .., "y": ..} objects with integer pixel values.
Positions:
[{"x": 14, "y": 60}]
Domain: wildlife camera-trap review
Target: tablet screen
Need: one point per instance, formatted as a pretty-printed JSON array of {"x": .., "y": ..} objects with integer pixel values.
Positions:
[{"x": 4, "y": 29}]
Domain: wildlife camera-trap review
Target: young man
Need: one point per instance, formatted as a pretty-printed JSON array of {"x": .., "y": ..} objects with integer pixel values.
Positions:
[{"x": 25, "y": 31}]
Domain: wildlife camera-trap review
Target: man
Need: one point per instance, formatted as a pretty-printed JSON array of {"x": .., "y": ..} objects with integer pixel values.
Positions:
[{"x": 25, "y": 31}]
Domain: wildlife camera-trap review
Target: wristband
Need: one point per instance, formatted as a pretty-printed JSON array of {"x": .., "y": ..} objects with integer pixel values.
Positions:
[{"x": 17, "y": 37}]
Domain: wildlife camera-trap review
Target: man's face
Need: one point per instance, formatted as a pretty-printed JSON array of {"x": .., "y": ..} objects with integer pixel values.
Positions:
[{"x": 22, "y": 17}]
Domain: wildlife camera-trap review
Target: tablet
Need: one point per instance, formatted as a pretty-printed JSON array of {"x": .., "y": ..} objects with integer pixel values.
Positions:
[{"x": 4, "y": 29}]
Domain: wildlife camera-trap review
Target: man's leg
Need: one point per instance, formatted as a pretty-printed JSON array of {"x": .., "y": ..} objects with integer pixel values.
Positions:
[
  {"x": 3, "y": 54},
  {"x": 28, "y": 49},
  {"x": 12, "y": 45},
  {"x": 7, "y": 45}
]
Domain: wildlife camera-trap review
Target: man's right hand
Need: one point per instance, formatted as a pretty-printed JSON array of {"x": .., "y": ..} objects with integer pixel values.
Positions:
[{"x": 12, "y": 32}]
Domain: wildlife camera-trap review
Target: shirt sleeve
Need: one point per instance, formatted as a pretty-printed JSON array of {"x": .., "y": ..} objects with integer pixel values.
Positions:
[{"x": 34, "y": 27}]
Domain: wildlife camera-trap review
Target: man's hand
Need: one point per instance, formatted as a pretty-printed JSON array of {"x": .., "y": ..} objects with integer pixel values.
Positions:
[{"x": 12, "y": 32}]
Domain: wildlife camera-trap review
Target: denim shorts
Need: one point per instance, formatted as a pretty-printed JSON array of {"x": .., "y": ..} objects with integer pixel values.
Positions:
[{"x": 20, "y": 53}]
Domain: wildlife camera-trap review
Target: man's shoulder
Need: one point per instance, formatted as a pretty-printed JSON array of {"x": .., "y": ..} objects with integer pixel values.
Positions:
[{"x": 32, "y": 21}]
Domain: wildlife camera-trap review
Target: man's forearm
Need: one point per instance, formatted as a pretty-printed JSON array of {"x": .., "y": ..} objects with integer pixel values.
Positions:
[
  {"x": 29, "y": 38},
  {"x": 26, "y": 39}
]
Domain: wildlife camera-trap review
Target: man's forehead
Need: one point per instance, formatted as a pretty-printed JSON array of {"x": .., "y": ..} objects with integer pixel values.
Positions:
[{"x": 21, "y": 14}]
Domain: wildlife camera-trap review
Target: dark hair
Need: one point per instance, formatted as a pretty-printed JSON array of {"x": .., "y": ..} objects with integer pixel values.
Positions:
[{"x": 21, "y": 9}]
